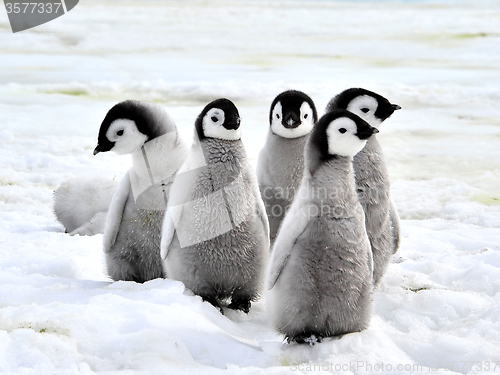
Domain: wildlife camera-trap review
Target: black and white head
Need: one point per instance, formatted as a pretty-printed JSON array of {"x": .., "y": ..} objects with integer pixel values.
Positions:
[
  {"x": 370, "y": 106},
  {"x": 130, "y": 124},
  {"x": 339, "y": 133},
  {"x": 219, "y": 119},
  {"x": 292, "y": 114}
]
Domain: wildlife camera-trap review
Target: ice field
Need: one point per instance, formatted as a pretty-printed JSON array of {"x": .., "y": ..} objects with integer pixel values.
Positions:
[{"x": 437, "y": 310}]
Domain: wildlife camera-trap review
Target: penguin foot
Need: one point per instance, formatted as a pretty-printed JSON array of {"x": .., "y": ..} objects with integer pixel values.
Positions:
[
  {"x": 214, "y": 303},
  {"x": 305, "y": 338},
  {"x": 242, "y": 304}
]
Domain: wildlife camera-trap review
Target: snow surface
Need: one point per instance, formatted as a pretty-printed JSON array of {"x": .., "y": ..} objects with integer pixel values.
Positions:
[{"x": 438, "y": 306}]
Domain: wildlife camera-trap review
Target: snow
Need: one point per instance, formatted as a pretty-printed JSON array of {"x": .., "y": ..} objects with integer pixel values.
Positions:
[{"x": 437, "y": 307}]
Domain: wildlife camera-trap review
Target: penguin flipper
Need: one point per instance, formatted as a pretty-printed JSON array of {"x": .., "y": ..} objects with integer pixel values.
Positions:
[
  {"x": 261, "y": 212},
  {"x": 395, "y": 225},
  {"x": 279, "y": 259},
  {"x": 260, "y": 209},
  {"x": 167, "y": 234},
  {"x": 180, "y": 195},
  {"x": 115, "y": 213},
  {"x": 294, "y": 224}
]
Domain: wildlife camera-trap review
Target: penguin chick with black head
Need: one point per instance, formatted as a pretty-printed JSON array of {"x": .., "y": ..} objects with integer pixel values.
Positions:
[
  {"x": 215, "y": 235},
  {"x": 132, "y": 232},
  {"x": 372, "y": 179},
  {"x": 320, "y": 275},
  {"x": 281, "y": 161}
]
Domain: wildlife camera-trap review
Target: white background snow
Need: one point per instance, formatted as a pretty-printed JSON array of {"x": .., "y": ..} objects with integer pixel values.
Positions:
[{"x": 438, "y": 306}]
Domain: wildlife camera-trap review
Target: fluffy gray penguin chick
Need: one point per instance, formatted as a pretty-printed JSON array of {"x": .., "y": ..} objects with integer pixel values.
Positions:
[
  {"x": 81, "y": 204},
  {"x": 320, "y": 276},
  {"x": 281, "y": 161},
  {"x": 132, "y": 232},
  {"x": 215, "y": 235},
  {"x": 372, "y": 179}
]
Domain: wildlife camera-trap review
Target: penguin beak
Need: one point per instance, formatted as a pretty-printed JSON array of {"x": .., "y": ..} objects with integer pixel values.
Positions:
[
  {"x": 291, "y": 121},
  {"x": 103, "y": 145},
  {"x": 366, "y": 133},
  {"x": 232, "y": 123},
  {"x": 395, "y": 107},
  {"x": 98, "y": 149}
]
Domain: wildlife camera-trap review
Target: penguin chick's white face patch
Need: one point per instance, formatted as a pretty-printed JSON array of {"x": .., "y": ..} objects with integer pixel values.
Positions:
[
  {"x": 306, "y": 118},
  {"x": 126, "y": 136},
  {"x": 342, "y": 138},
  {"x": 213, "y": 126},
  {"x": 365, "y": 107}
]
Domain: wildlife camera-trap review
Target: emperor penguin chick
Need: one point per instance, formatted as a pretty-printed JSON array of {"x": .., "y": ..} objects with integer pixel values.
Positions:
[
  {"x": 81, "y": 204},
  {"x": 372, "y": 179},
  {"x": 320, "y": 275},
  {"x": 281, "y": 161},
  {"x": 215, "y": 235},
  {"x": 132, "y": 232}
]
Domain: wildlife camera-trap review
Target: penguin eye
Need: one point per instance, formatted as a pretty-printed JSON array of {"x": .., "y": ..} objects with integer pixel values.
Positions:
[
  {"x": 214, "y": 119},
  {"x": 342, "y": 130},
  {"x": 119, "y": 132},
  {"x": 305, "y": 116},
  {"x": 277, "y": 116},
  {"x": 365, "y": 110}
]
